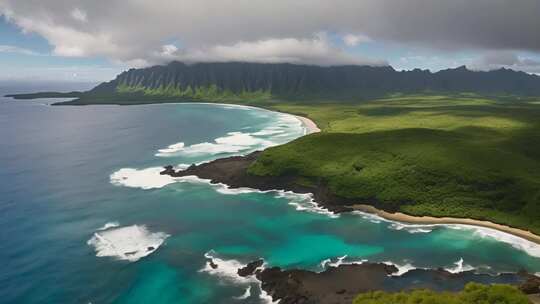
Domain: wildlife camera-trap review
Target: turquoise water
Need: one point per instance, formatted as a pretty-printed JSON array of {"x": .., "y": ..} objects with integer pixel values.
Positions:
[{"x": 65, "y": 172}]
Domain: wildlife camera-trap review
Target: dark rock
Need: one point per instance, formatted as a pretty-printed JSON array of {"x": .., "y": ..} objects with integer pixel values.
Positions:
[
  {"x": 232, "y": 171},
  {"x": 531, "y": 285},
  {"x": 150, "y": 248},
  {"x": 250, "y": 268},
  {"x": 340, "y": 285},
  {"x": 169, "y": 170}
]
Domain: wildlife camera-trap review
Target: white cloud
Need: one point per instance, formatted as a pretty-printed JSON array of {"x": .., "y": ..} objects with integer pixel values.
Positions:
[
  {"x": 506, "y": 59},
  {"x": 15, "y": 49},
  {"x": 316, "y": 50},
  {"x": 136, "y": 30},
  {"x": 168, "y": 50},
  {"x": 354, "y": 40},
  {"x": 79, "y": 15}
]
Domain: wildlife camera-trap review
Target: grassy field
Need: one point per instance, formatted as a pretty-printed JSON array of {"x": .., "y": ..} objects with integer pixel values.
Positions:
[{"x": 459, "y": 156}]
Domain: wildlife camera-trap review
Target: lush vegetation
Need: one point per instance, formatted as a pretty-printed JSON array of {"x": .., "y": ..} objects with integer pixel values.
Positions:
[
  {"x": 310, "y": 82},
  {"x": 202, "y": 93},
  {"x": 473, "y": 293},
  {"x": 459, "y": 156}
]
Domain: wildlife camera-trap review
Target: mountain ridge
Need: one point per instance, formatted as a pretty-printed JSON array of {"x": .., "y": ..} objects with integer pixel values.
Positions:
[{"x": 245, "y": 80}]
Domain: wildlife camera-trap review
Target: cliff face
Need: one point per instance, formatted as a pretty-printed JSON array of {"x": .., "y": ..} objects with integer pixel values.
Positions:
[{"x": 289, "y": 80}]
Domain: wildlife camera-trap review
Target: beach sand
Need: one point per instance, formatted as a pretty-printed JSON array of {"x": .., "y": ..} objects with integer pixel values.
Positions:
[
  {"x": 405, "y": 218},
  {"x": 309, "y": 124}
]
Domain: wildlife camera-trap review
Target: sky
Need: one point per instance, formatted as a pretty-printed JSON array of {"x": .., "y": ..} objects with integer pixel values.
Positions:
[{"x": 80, "y": 40}]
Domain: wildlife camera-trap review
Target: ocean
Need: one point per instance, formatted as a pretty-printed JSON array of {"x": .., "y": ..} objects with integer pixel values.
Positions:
[{"x": 85, "y": 216}]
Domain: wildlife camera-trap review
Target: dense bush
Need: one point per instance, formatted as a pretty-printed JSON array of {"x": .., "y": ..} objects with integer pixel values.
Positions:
[{"x": 472, "y": 294}]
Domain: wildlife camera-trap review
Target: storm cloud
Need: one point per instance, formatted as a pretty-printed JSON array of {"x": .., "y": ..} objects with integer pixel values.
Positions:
[{"x": 143, "y": 32}]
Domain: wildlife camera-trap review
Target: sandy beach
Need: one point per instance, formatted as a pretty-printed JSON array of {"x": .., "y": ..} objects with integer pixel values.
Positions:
[
  {"x": 309, "y": 124},
  {"x": 405, "y": 218}
]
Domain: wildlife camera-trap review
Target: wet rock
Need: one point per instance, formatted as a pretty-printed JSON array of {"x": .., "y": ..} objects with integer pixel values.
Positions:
[{"x": 250, "y": 268}]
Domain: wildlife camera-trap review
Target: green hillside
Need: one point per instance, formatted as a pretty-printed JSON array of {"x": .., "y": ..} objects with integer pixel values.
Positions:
[{"x": 460, "y": 156}]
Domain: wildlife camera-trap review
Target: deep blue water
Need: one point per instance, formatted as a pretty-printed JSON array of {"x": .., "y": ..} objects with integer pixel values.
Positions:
[{"x": 67, "y": 171}]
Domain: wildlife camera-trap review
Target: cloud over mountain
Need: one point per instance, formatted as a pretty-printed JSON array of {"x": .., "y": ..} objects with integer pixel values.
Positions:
[{"x": 146, "y": 32}]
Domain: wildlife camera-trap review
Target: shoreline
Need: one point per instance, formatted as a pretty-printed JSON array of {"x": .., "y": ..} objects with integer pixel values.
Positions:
[
  {"x": 431, "y": 220},
  {"x": 311, "y": 127}
]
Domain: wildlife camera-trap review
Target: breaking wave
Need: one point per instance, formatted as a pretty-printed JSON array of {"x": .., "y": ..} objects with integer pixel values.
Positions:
[
  {"x": 227, "y": 271},
  {"x": 284, "y": 128},
  {"x": 459, "y": 266},
  {"x": 141, "y": 178},
  {"x": 129, "y": 243}
]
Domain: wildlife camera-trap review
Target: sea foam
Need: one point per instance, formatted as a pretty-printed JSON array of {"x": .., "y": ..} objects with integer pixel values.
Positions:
[
  {"x": 109, "y": 225},
  {"x": 141, "y": 178},
  {"x": 233, "y": 142},
  {"x": 517, "y": 242},
  {"x": 283, "y": 126},
  {"x": 227, "y": 271},
  {"x": 522, "y": 244},
  {"x": 459, "y": 266},
  {"x": 129, "y": 243}
]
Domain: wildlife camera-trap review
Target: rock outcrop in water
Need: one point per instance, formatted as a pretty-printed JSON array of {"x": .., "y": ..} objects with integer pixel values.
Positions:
[
  {"x": 341, "y": 284},
  {"x": 250, "y": 268}
]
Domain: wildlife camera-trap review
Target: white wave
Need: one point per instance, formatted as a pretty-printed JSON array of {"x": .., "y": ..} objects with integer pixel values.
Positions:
[
  {"x": 527, "y": 246},
  {"x": 109, "y": 225},
  {"x": 340, "y": 261},
  {"x": 233, "y": 142},
  {"x": 284, "y": 127},
  {"x": 129, "y": 243},
  {"x": 245, "y": 295},
  {"x": 411, "y": 228},
  {"x": 301, "y": 201},
  {"x": 459, "y": 266},
  {"x": 148, "y": 178},
  {"x": 370, "y": 217},
  {"x": 328, "y": 262},
  {"x": 269, "y": 131},
  {"x": 226, "y": 269},
  {"x": 531, "y": 248},
  {"x": 171, "y": 149},
  {"x": 402, "y": 268},
  {"x": 305, "y": 202},
  {"x": 234, "y": 191},
  {"x": 265, "y": 297}
]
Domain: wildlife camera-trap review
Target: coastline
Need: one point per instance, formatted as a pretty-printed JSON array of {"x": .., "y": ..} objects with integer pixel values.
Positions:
[
  {"x": 311, "y": 127},
  {"x": 430, "y": 220}
]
